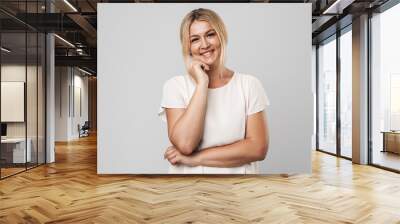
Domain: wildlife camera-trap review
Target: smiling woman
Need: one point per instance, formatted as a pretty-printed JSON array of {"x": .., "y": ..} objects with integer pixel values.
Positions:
[
  {"x": 202, "y": 34},
  {"x": 216, "y": 117}
]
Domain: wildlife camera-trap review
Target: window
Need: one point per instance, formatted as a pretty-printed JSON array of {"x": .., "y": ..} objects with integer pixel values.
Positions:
[
  {"x": 385, "y": 88},
  {"x": 22, "y": 77},
  {"x": 346, "y": 93},
  {"x": 327, "y": 96}
]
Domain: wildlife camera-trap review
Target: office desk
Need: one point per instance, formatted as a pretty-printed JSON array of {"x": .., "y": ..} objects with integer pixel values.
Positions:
[
  {"x": 391, "y": 141},
  {"x": 13, "y": 150}
]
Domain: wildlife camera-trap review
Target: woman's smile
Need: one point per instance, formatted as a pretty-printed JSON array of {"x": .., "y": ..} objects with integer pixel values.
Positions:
[{"x": 208, "y": 53}]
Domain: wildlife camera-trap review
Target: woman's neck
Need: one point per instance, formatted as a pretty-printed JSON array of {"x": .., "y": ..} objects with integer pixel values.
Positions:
[
  {"x": 219, "y": 76},
  {"x": 217, "y": 73}
]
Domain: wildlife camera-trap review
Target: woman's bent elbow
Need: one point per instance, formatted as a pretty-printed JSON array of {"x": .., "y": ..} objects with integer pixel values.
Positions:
[
  {"x": 262, "y": 152},
  {"x": 184, "y": 147}
]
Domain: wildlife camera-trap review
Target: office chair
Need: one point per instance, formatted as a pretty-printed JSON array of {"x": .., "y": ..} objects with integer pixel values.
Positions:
[{"x": 84, "y": 130}]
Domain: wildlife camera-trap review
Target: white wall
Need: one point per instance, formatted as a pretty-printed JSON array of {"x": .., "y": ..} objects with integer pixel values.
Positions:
[
  {"x": 68, "y": 81},
  {"x": 61, "y": 103},
  {"x": 79, "y": 117},
  {"x": 15, "y": 72},
  {"x": 139, "y": 49}
]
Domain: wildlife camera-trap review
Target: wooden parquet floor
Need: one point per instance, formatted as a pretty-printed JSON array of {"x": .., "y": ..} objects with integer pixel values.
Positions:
[{"x": 70, "y": 191}]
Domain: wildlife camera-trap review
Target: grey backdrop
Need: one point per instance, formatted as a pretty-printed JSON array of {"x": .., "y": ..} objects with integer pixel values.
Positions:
[{"x": 139, "y": 49}]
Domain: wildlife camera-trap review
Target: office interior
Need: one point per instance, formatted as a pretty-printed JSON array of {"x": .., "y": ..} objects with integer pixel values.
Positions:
[{"x": 48, "y": 82}]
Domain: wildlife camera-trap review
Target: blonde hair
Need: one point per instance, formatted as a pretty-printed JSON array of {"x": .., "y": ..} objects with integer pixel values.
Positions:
[{"x": 215, "y": 22}]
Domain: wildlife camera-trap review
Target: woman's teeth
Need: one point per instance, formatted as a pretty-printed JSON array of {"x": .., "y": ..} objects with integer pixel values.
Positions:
[{"x": 207, "y": 54}]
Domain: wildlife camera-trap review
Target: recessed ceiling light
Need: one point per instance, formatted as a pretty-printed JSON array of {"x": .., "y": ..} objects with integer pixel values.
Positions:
[
  {"x": 5, "y": 50},
  {"x": 84, "y": 71},
  {"x": 337, "y": 7},
  {"x": 70, "y": 5},
  {"x": 64, "y": 40}
]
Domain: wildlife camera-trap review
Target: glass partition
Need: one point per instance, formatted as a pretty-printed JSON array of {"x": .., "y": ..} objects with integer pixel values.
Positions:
[
  {"x": 32, "y": 95},
  {"x": 385, "y": 89},
  {"x": 13, "y": 110},
  {"x": 41, "y": 107},
  {"x": 22, "y": 77},
  {"x": 346, "y": 93},
  {"x": 32, "y": 85},
  {"x": 327, "y": 96}
]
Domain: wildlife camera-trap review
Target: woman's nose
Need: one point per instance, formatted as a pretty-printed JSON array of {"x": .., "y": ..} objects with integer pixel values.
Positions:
[{"x": 204, "y": 43}]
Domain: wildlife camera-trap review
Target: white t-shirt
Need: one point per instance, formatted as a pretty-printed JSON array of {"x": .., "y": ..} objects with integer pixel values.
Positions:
[{"x": 226, "y": 115}]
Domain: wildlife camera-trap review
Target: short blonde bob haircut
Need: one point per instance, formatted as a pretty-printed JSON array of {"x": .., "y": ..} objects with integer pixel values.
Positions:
[{"x": 215, "y": 22}]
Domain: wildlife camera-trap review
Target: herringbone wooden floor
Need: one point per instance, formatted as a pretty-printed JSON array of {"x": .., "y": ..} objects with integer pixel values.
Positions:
[{"x": 70, "y": 191}]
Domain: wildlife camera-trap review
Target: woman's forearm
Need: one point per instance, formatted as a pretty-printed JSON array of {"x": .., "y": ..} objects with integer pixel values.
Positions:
[
  {"x": 188, "y": 129},
  {"x": 232, "y": 155}
]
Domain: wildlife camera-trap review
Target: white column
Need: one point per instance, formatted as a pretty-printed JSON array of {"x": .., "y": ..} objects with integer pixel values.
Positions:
[
  {"x": 360, "y": 90},
  {"x": 50, "y": 92},
  {"x": 50, "y": 100}
]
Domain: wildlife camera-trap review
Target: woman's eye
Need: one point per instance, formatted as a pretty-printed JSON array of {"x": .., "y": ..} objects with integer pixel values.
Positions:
[
  {"x": 193, "y": 40},
  {"x": 211, "y": 34}
]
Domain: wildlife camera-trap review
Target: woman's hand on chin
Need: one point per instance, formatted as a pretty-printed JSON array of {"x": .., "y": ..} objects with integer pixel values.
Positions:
[
  {"x": 175, "y": 157},
  {"x": 197, "y": 69}
]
